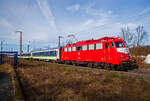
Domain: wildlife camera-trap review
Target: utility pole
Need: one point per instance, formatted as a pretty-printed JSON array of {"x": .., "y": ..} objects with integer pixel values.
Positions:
[
  {"x": 28, "y": 47},
  {"x": 59, "y": 37},
  {"x": 1, "y": 45},
  {"x": 20, "y": 42}
]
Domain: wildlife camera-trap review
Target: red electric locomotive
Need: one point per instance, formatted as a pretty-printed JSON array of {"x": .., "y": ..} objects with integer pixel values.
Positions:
[{"x": 107, "y": 52}]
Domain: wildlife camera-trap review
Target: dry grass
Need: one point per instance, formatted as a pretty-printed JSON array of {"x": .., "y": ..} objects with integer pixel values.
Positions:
[
  {"x": 54, "y": 82},
  {"x": 6, "y": 68},
  {"x": 142, "y": 65},
  {"x": 140, "y": 51}
]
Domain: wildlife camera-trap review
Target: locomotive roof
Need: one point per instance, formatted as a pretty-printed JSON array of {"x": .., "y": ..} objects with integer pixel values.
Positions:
[{"x": 93, "y": 41}]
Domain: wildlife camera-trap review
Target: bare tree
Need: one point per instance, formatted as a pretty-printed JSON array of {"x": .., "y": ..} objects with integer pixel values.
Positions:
[
  {"x": 134, "y": 38},
  {"x": 140, "y": 35},
  {"x": 127, "y": 35}
]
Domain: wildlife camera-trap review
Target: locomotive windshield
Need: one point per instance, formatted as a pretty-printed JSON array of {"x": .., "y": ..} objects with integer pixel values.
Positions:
[
  {"x": 125, "y": 44},
  {"x": 119, "y": 44}
]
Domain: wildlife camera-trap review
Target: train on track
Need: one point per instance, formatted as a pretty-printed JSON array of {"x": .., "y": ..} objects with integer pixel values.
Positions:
[{"x": 107, "y": 52}]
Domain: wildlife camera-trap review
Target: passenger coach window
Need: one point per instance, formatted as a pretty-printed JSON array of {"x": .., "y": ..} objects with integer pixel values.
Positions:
[
  {"x": 112, "y": 45},
  {"x": 84, "y": 47},
  {"x": 99, "y": 46},
  {"x": 91, "y": 47},
  {"x": 107, "y": 45}
]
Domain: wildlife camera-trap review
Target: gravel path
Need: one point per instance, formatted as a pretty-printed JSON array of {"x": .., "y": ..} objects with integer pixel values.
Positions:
[{"x": 6, "y": 87}]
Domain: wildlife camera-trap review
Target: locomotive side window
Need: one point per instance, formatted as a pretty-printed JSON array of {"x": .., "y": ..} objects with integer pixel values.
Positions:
[
  {"x": 91, "y": 47},
  {"x": 65, "y": 49},
  {"x": 79, "y": 48},
  {"x": 107, "y": 45},
  {"x": 69, "y": 49},
  {"x": 99, "y": 46},
  {"x": 112, "y": 45},
  {"x": 119, "y": 44},
  {"x": 73, "y": 48},
  {"x": 84, "y": 47}
]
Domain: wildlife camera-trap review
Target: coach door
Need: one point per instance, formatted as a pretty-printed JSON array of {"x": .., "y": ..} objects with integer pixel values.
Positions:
[
  {"x": 79, "y": 48},
  {"x": 107, "y": 52},
  {"x": 112, "y": 52}
]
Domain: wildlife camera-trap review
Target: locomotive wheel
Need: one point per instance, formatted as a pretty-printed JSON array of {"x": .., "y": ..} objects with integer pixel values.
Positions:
[
  {"x": 101, "y": 67},
  {"x": 106, "y": 66},
  {"x": 66, "y": 62},
  {"x": 74, "y": 64},
  {"x": 113, "y": 67},
  {"x": 90, "y": 65},
  {"x": 118, "y": 68}
]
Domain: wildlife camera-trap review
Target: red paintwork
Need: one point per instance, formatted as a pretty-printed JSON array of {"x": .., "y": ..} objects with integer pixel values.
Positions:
[{"x": 108, "y": 55}]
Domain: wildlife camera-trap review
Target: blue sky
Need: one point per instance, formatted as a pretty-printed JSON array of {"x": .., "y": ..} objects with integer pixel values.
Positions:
[{"x": 42, "y": 21}]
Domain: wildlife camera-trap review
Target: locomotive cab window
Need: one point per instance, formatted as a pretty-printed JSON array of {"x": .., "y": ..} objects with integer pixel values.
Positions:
[
  {"x": 119, "y": 44},
  {"x": 107, "y": 45},
  {"x": 79, "y": 48},
  {"x": 125, "y": 43},
  {"x": 112, "y": 45}
]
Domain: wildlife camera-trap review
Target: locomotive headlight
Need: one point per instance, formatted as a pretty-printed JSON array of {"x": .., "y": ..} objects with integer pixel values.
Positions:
[{"x": 122, "y": 50}]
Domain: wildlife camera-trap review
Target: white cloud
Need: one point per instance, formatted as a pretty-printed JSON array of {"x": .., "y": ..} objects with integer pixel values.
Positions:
[
  {"x": 73, "y": 8},
  {"x": 6, "y": 24},
  {"x": 7, "y": 32},
  {"x": 97, "y": 12},
  {"x": 146, "y": 10},
  {"x": 98, "y": 17},
  {"x": 88, "y": 22},
  {"x": 101, "y": 23},
  {"x": 102, "y": 18},
  {"x": 45, "y": 9}
]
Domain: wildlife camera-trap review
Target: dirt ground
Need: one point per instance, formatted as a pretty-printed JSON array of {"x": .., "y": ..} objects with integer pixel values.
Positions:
[{"x": 43, "y": 81}]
